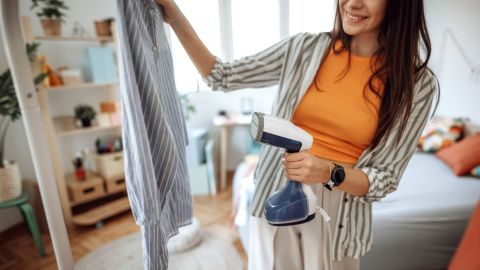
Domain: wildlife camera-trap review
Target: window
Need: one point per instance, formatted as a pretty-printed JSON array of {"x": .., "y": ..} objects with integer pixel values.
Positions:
[
  {"x": 204, "y": 17},
  {"x": 255, "y": 25},
  {"x": 311, "y": 16},
  {"x": 237, "y": 28}
]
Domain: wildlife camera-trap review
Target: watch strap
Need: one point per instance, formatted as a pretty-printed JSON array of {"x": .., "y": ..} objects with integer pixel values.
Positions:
[{"x": 329, "y": 185}]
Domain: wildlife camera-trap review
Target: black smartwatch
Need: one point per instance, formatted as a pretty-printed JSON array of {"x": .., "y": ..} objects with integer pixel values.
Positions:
[{"x": 337, "y": 176}]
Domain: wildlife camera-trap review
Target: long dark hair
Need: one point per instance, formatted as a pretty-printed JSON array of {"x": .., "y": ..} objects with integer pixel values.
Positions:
[{"x": 397, "y": 63}]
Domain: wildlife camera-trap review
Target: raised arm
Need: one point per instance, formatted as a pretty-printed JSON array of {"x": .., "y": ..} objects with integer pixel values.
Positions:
[{"x": 196, "y": 50}]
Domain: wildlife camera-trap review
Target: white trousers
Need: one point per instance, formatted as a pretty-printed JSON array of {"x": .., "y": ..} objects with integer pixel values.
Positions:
[{"x": 306, "y": 246}]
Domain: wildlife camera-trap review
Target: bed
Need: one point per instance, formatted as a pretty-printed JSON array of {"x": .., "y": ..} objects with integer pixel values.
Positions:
[{"x": 418, "y": 226}]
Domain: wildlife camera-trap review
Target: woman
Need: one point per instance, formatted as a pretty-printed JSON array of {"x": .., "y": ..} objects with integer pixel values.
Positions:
[{"x": 363, "y": 92}]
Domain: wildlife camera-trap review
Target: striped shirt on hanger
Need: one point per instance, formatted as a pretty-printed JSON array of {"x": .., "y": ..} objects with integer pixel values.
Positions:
[
  {"x": 292, "y": 64},
  {"x": 153, "y": 130}
]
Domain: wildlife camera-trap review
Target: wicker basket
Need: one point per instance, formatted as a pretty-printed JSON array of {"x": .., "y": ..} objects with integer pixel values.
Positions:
[
  {"x": 103, "y": 28},
  {"x": 10, "y": 182},
  {"x": 51, "y": 27}
]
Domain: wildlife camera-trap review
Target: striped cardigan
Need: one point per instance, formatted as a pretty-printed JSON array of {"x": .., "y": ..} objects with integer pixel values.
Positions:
[{"x": 292, "y": 64}]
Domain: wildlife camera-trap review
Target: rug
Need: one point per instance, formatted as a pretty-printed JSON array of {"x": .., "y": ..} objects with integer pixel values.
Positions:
[{"x": 214, "y": 252}]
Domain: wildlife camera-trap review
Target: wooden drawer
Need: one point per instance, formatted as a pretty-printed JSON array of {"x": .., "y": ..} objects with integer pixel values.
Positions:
[
  {"x": 86, "y": 190},
  {"x": 114, "y": 186},
  {"x": 110, "y": 166}
]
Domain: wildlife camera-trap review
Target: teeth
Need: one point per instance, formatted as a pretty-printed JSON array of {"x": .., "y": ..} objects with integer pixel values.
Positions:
[{"x": 354, "y": 18}]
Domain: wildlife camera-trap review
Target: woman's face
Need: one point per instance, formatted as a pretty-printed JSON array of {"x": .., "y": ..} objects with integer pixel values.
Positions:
[{"x": 362, "y": 16}]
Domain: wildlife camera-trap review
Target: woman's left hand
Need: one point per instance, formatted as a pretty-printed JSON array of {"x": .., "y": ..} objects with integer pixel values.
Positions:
[{"x": 306, "y": 168}]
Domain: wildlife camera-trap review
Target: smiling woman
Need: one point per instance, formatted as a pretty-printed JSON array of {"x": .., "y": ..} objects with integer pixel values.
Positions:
[{"x": 363, "y": 92}]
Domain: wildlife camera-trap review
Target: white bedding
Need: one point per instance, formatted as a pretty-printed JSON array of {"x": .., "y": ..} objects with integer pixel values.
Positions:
[{"x": 420, "y": 225}]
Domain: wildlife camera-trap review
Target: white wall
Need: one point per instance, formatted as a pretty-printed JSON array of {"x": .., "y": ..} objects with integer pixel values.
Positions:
[{"x": 460, "y": 96}]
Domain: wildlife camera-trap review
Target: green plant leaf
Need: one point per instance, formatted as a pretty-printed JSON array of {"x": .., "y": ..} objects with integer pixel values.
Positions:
[
  {"x": 50, "y": 8},
  {"x": 40, "y": 77},
  {"x": 9, "y": 106}
]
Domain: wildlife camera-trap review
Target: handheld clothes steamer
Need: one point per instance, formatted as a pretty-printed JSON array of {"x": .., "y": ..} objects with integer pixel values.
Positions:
[{"x": 295, "y": 203}]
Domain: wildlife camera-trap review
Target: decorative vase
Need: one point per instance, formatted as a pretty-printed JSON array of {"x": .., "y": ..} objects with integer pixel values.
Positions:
[
  {"x": 10, "y": 182},
  {"x": 80, "y": 173},
  {"x": 51, "y": 27},
  {"x": 86, "y": 122}
]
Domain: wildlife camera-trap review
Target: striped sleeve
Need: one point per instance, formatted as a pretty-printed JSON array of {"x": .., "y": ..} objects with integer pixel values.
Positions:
[
  {"x": 258, "y": 70},
  {"x": 388, "y": 162}
]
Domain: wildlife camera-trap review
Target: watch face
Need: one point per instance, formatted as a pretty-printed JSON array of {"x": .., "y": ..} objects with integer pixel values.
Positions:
[{"x": 338, "y": 175}]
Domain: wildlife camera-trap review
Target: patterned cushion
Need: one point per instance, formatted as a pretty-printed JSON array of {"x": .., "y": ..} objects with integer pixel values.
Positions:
[{"x": 441, "y": 132}]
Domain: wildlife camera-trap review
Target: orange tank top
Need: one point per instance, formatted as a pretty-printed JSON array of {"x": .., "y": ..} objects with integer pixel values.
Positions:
[{"x": 339, "y": 117}]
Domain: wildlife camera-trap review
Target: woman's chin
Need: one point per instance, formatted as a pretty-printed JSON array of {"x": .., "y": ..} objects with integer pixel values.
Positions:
[{"x": 351, "y": 31}]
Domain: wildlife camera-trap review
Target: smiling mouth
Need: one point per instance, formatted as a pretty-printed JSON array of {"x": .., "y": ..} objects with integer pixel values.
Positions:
[{"x": 354, "y": 18}]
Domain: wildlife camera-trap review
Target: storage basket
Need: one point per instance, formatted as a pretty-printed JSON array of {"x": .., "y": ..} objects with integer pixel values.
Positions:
[
  {"x": 110, "y": 166},
  {"x": 85, "y": 190},
  {"x": 10, "y": 182},
  {"x": 115, "y": 185}
]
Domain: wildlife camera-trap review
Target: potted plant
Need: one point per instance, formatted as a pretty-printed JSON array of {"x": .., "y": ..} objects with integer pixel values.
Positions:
[
  {"x": 51, "y": 15},
  {"x": 103, "y": 27},
  {"x": 10, "y": 179},
  {"x": 85, "y": 113}
]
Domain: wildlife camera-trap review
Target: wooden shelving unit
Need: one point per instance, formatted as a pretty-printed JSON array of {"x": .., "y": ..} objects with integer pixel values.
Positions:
[{"x": 92, "y": 208}]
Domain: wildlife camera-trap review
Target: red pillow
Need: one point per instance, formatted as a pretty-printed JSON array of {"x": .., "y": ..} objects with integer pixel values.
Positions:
[{"x": 462, "y": 156}]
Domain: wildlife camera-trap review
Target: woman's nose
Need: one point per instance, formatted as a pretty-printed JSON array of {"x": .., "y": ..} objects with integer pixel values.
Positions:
[{"x": 355, "y": 4}]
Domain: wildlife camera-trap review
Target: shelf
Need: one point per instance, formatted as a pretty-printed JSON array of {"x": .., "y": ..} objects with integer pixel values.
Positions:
[
  {"x": 65, "y": 127},
  {"x": 92, "y": 207},
  {"x": 73, "y": 38},
  {"x": 79, "y": 131},
  {"x": 80, "y": 86},
  {"x": 103, "y": 212}
]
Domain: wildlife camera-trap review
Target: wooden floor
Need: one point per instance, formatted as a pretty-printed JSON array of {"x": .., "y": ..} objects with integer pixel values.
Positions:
[{"x": 17, "y": 250}]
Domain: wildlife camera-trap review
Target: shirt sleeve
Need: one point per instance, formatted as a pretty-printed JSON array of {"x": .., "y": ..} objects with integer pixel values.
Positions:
[
  {"x": 258, "y": 70},
  {"x": 388, "y": 162}
]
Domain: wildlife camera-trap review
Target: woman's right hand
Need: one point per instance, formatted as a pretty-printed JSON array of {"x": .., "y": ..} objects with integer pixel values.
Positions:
[{"x": 171, "y": 11}]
